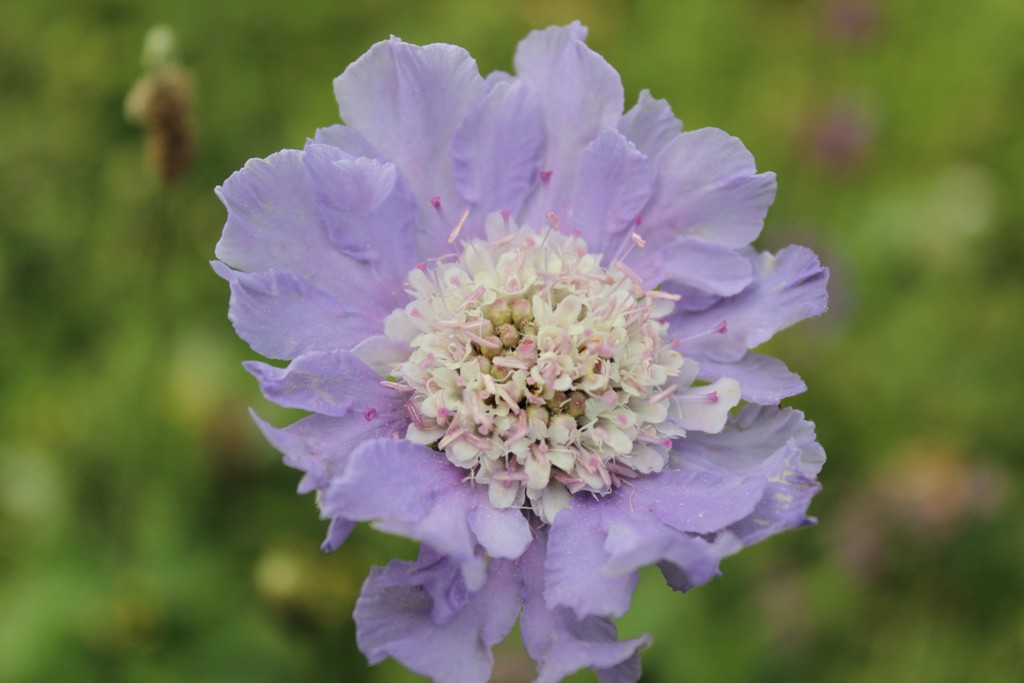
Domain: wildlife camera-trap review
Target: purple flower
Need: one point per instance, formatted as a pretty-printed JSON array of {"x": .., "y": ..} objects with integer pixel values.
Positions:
[{"x": 521, "y": 320}]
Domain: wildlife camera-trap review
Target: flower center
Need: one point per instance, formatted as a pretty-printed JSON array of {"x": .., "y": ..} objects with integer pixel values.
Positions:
[{"x": 536, "y": 369}]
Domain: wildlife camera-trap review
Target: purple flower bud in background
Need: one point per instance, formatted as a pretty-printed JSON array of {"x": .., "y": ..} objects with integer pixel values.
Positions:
[{"x": 522, "y": 323}]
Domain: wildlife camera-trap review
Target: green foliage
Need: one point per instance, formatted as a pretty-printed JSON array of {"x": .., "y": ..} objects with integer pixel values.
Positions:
[{"x": 147, "y": 532}]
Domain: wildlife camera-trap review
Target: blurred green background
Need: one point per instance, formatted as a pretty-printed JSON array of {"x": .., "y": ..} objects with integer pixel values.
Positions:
[{"x": 147, "y": 532}]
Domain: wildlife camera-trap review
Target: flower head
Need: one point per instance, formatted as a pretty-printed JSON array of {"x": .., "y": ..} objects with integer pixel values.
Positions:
[{"x": 521, "y": 321}]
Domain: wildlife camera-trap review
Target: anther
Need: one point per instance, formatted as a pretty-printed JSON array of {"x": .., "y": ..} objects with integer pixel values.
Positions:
[
  {"x": 414, "y": 414},
  {"x": 370, "y": 413},
  {"x": 656, "y": 294},
  {"x": 545, "y": 176},
  {"x": 662, "y": 395},
  {"x": 553, "y": 219},
  {"x": 458, "y": 226}
]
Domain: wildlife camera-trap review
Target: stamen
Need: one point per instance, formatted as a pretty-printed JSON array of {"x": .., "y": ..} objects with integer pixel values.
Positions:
[
  {"x": 545, "y": 176},
  {"x": 629, "y": 273},
  {"x": 710, "y": 397},
  {"x": 414, "y": 414},
  {"x": 442, "y": 216},
  {"x": 450, "y": 437},
  {"x": 662, "y": 395},
  {"x": 621, "y": 470},
  {"x": 458, "y": 226},
  {"x": 720, "y": 328},
  {"x": 397, "y": 386},
  {"x": 657, "y": 294},
  {"x": 370, "y": 413},
  {"x": 513, "y": 363}
]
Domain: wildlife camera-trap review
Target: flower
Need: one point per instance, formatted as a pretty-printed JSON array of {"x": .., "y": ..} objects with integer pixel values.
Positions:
[{"x": 521, "y": 321}]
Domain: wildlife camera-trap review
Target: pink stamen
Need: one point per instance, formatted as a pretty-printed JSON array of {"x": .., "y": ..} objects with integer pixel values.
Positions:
[
  {"x": 655, "y": 294},
  {"x": 474, "y": 296},
  {"x": 621, "y": 470},
  {"x": 553, "y": 219},
  {"x": 710, "y": 397},
  {"x": 720, "y": 328},
  {"x": 545, "y": 176},
  {"x": 477, "y": 441},
  {"x": 513, "y": 363},
  {"x": 563, "y": 478},
  {"x": 414, "y": 414},
  {"x": 370, "y": 413},
  {"x": 441, "y": 215},
  {"x": 662, "y": 395},
  {"x": 629, "y": 273},
  {"x": 450, "y": 437}
]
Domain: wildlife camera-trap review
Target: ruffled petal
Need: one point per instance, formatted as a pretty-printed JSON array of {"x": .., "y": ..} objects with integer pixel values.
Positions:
[
  {"x": 407, "y": 101},
  {"x": 333, "y": 383},
  {"x": 272, "y": 220},
  {"x": 497, "y": 150},
  {"x": 707, "y": 187},
  {"x": 650, "y": 124},
  {"x": 786, "y": 288},
  {"x": 574, "y": 571},
  {"x": 766, "y": 442},
  {"x": 596, "y": 546},
  {"x": 367, "y": 211},
  {"x": 581, "y": 95},
  {"x": 562, "y": 644},
  {"x": 320, "y": 446},
  {"x": 762, "y": 379},
  {"x": 699, "y": 264},
  {"x": 347, "y": 140},
  {"x": 274, "y": 224},
  {"x": 282, "y": 315},
  {"x": 752, "y": 436},
  {"x": 414, "y": 491},
  {"x": 613, "y": 183},
  {"x": 686, "y": 560},
  {"x": 785, "y": 502},
  {"x": 396, "y": 616}
]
